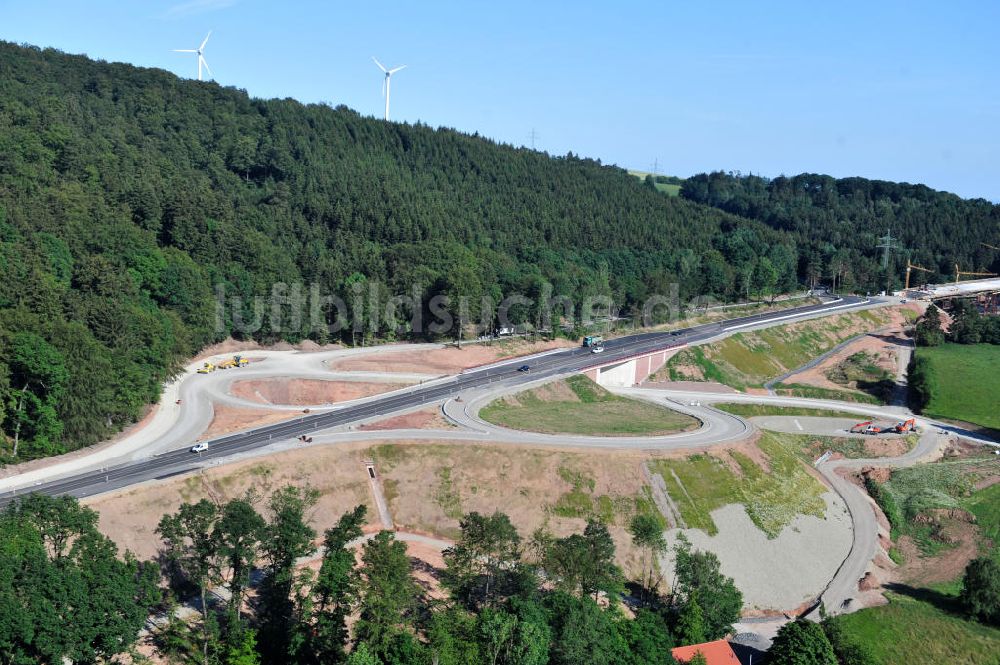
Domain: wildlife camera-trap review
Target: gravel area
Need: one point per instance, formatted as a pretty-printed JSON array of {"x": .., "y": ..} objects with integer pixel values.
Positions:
[{"x": 778, "y": 574}]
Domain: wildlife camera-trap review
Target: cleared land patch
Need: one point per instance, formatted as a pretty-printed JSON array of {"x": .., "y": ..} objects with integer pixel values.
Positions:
[
  {"x": 449, "y": 360},
  {"x": 966, "y": 382},
  {"x": 928, "y": 504},
  {"x": 304, "y": 392},
  {"x": 750, "y": 359},
  {"x": 433, "y": 485},
  {"x": 577, "y": 405},
  {"x": 772, "y": 496},
  {"x": 866, "y": 372}
]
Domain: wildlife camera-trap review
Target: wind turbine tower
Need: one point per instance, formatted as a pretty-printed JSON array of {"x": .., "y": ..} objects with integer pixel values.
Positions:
[
  {"x": 201, "y": 55},
  {"x": 386, "y": 82}
]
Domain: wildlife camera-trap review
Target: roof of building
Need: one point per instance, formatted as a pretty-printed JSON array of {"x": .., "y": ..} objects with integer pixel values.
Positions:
[{"x": 716, "y": 653}]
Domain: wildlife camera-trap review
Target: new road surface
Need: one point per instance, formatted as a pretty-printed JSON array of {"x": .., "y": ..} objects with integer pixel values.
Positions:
[{"x": 118, "y": 474}]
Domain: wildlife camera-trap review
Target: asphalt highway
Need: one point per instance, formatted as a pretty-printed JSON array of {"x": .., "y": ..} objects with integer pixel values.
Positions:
[{"x": 180, "y": 461}]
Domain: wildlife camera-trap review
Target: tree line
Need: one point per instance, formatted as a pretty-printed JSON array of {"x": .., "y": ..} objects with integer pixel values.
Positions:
[
  {"x": 500, "y": 598},
  {"x": 837, "y": 225},
  {"x": 129, "y": 198}
]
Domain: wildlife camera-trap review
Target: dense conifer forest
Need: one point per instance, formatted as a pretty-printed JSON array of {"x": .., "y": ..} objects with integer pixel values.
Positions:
[
  {"x": 837, "y": 224},
  {"x": 130, "y": 198}
]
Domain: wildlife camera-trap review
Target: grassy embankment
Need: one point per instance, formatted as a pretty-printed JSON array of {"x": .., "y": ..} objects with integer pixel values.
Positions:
[
  {"x": 579, "y": 406},
  {"x": 965, "y": 383},
  {"x": 430, "y": 486},
  {"x": 911, "y": 495},
  {"x": 751, "y": 359},
  {"x": 751, "y": 410},
  {"x": 897, "y": 632},
  {"x": 702, "y": 483}
]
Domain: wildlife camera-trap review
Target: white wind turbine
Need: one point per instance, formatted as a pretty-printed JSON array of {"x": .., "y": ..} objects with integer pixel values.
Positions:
[
  {"x": 386, "y": 82},
  {"x": 201, "y": 55}
]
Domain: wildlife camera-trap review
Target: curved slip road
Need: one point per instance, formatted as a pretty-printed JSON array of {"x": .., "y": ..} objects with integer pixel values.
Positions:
[
  {"x": 843, "y": 588},
  {"x": 716, "y": 426},
  {"x": 194, "y": 414}
]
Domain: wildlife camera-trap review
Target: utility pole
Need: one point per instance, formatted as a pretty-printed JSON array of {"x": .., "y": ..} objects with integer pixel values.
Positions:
[
  {"x": 533, "y": 135},
  {"x": 887, "y": 244},
  {"x": 656, "y": 166}
]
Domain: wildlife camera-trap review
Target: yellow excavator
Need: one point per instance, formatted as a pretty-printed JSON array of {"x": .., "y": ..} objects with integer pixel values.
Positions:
[{"x": 207, "y": 368}]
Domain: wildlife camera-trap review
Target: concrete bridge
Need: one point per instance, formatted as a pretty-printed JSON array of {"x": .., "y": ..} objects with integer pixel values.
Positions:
[
  {"x": 631, "y": 371},
  {"x": 971, "y": 287}
]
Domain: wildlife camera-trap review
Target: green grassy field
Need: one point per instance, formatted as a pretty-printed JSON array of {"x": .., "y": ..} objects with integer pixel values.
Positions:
[
  {"x": 587, "y": 409},
  {"x": 967, "y": 383},
  {"x": 671, "y": 189},
  {"x": 751, "y": 410},
  {"x": 985, "y": 505},
  {"x": 701, "y": 484},
  {"x": 917, "y": 631},
  {"x": 750, "y": 359}
]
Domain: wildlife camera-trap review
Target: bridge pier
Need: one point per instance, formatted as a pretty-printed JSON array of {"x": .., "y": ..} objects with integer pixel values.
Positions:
[{"x": 630, "y": 372}]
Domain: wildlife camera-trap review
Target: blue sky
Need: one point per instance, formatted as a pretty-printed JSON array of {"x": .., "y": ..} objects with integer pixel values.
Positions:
[{"x": 883, "y": 89}]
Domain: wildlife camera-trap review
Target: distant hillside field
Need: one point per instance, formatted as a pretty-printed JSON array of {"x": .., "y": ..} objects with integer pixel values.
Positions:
[
  {"x": 966, "y": 383},
  {"x": 670, "y": 185}
]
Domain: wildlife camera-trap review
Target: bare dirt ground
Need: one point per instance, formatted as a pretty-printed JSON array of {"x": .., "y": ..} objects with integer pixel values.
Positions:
[
  {"x": 883, "y": 345},
  {"x": 946, "y": 566},
  {"x": 130, "y": 516},
  {"x": 429, "y": 418},
  {"x": 229, "y": 419},
  {"x": 231, "y": 345},
  {"x": 429, "y": 486},
  {"x": 305, "y": 392},
  {"x": 449, "y": 360}
]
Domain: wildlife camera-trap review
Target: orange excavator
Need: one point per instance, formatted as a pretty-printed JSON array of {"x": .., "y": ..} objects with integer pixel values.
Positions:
[{"x": 869, "y": 427}]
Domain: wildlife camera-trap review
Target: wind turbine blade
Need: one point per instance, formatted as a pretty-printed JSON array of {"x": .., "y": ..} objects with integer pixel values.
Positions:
[
  {"x": 383, "y": 87},
  {"x": 184, "y": 50},
  {"x": 393, "y": 71},
  {"x": 205, "y": 62},
  {"x": 378, "y": 63},
  {"x": 206, "y": 40}
]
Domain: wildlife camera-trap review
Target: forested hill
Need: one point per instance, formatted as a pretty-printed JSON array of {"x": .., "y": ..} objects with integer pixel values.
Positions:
[
  {"x": 836, "y": 224},
  {"x": 127, "y": 195}
]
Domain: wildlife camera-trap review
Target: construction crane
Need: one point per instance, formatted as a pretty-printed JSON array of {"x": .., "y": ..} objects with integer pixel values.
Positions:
[
  {"x": 910, "y": 267},
  {"x": 959, "y": 274}
]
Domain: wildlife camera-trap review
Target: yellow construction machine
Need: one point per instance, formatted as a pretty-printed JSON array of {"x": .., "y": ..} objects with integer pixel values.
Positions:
[{"x": 910, "y": 267}]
